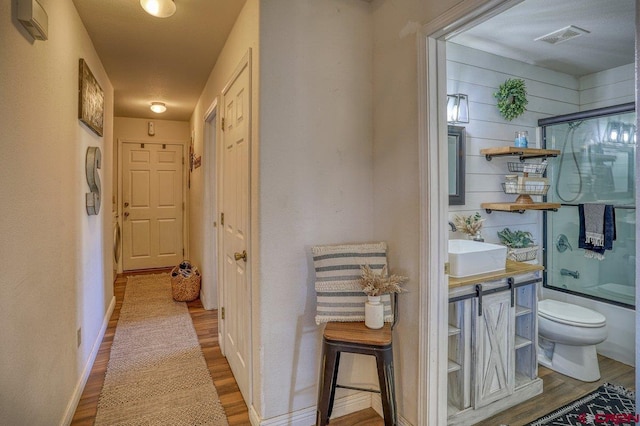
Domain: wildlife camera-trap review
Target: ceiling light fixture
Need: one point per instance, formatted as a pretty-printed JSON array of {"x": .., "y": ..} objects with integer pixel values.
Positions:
[
  {"x": 158, "y": 107},
  {"x": 159, "y": 8}
]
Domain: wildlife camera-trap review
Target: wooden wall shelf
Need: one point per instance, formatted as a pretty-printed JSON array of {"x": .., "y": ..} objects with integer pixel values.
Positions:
[
  {"x": 524, "y": 202},
  {"x": 519, "y": 207},
  {"x": 522, "y": 153}
]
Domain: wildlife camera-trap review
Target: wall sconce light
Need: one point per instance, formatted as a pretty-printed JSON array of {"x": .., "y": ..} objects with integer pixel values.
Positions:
[
  {"x": 457, "y": 108},
  {"x": 612, "y": 132},
  {"x": 628, "y": 133},
  {"x": 159, "y": 8},
  {"x": 158, "y": 107},
  {"x": 617, "y": 132}
]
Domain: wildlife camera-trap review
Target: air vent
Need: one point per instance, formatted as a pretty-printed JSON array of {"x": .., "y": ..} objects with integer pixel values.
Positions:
[{"x": 562, "y": 35}]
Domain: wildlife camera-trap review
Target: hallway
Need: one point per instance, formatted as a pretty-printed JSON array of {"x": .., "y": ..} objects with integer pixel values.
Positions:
[{"x": 206, "y": 326}]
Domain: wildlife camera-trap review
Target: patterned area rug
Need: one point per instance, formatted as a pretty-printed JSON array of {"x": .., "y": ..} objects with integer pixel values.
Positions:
[
  {"x": 157, "y": 374},
  {"x": 607, "y": 405}
]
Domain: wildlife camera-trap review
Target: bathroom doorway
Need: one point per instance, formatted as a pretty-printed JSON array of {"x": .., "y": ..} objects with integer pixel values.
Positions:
[{"x": 437, "y": 35}]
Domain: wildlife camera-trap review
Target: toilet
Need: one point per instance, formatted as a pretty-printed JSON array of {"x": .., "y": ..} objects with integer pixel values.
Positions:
[{"x": 568, "y": 335}]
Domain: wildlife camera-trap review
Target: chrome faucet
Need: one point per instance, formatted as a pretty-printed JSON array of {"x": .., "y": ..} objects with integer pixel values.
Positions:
[
  {"x": 453, "y": 227},
  {"x": 574, "y": 274}
]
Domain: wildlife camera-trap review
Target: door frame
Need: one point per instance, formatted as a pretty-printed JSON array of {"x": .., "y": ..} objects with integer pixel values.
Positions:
[
  {"x": 185, "y": 192},
  {"x": 211, "y": 264},
  {"x": 245, "y": 62},
  {"x": 432, "y": 127}
]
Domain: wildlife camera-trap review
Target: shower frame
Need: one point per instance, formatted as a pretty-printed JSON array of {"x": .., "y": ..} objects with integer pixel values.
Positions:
[{"x": 567, "y": 118}]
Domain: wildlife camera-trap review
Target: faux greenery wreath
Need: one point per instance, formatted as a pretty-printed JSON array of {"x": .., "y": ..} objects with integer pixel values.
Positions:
[{"x": 512, "y": 98}]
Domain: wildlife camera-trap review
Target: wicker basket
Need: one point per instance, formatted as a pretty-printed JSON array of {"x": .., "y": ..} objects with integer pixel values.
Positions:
[
  {"x": 185, "y": 289},
  {"x": 522, "y": 254}
]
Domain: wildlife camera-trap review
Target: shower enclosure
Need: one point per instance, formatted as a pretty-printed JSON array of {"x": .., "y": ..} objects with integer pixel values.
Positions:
[{"x": 596, "y": 165}]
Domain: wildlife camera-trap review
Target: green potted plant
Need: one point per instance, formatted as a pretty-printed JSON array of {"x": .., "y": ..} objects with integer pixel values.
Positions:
[{"x": 520, "y": 244}]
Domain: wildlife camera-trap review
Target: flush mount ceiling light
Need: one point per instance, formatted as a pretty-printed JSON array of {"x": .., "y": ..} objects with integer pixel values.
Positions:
[
  {"x": 158, "y": 107},
  {"x": 159, "y": 8}
]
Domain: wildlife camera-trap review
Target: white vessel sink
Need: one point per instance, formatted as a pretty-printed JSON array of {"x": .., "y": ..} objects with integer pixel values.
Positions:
[{"x": 467, "y": 257}]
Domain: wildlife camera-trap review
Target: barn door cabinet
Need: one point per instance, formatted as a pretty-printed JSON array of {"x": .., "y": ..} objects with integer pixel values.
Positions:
[{"x": 492, "y": 348}]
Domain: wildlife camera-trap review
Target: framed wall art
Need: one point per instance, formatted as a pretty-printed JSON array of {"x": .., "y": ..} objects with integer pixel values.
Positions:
[{"x": 90, "y": 99}]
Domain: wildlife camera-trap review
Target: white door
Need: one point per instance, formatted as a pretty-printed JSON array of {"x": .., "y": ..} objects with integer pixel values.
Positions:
[
  {"x": 152, "y": 205},
  {"x": 235, "y": 225}
]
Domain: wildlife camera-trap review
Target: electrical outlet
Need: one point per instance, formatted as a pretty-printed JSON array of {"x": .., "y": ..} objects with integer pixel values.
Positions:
[{"x": 79, "y": 336}]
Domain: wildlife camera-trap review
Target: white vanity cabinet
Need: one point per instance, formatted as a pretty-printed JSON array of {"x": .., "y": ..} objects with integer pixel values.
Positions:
[{"x": 492, "y": 348}]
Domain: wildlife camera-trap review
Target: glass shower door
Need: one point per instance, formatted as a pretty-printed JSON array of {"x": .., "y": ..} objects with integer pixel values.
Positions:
[{"x": 596, "y": 165}]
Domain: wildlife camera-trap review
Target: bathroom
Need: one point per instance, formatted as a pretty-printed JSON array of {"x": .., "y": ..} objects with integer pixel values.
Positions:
[{"x": 557, "y": 84}]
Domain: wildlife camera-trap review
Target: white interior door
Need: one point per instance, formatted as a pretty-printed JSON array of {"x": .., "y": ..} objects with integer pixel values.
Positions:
[
  {"x": 152, "y": 205},
  {"x": 235, "y": 225}
]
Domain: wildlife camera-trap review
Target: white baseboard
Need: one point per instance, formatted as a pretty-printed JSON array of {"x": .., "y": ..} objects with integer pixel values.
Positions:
[
  {"x": 376, "y": 404},
  {"x": 307, "y": 416},
  {"x": 82, "y": 381}
]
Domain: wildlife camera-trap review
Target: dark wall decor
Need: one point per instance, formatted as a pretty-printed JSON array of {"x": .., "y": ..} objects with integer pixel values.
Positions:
[
  {"x": 90, "y": 99},
  {"x": 92, "y": 164},
  {"x": 456, "y": 147}
]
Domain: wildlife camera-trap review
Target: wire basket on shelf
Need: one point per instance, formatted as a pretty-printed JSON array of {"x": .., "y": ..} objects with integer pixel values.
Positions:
[
  {"x": 185, "y": 282},
  {"x": 527, "y": 188},
  {"x": 535, "y": 168},
  {"x": 522, "y": 254}
]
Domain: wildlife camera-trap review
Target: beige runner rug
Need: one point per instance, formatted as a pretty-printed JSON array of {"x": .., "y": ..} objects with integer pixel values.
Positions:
[{"x": 157, "y": 374}]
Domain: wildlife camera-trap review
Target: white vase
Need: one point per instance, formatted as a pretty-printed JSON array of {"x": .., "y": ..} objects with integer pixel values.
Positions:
[
  {"x": 373, "y": 312},
  {"x": 475, "y": 237}
]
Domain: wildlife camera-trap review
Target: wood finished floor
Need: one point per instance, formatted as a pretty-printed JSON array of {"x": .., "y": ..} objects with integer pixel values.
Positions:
[
  {"x": 206, "y": 326},
  {"x": 558, "y": 389}
]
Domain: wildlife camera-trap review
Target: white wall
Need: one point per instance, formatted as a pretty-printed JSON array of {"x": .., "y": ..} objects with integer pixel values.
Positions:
[
  {"x": 610, "y": 87},
  {"x": 395, "y": 173},
  {"x": 56, "y": 273},
  {"x": 316, "y": 180}
]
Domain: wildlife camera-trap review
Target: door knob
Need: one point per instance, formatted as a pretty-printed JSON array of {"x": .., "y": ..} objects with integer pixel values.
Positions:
[
  {"x": 242, "y": 255},
  {"x": 126, "y": 214},
  {"x": 126, "y": 204}
]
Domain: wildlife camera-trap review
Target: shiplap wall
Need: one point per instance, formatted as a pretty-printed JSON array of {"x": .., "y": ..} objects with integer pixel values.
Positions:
[
  {"x": 478, "y": 74},
  {"x": 611, "y": 87},
  {"x": 550, "y": 93}
]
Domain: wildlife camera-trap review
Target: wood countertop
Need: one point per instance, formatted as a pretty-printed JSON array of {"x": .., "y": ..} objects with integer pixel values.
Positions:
[{"x": 513, "y": 268}]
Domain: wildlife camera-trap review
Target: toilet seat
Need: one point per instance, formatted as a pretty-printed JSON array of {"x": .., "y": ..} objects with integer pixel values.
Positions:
[{"x": 566, "y": 313}]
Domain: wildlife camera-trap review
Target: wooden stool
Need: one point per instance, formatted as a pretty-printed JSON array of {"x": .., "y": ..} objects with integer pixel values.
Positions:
[{"x": 355, "y": 337}]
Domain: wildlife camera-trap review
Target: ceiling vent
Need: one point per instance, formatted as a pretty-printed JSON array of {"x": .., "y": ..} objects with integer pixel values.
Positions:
[{"x": 562, "y": 35}]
